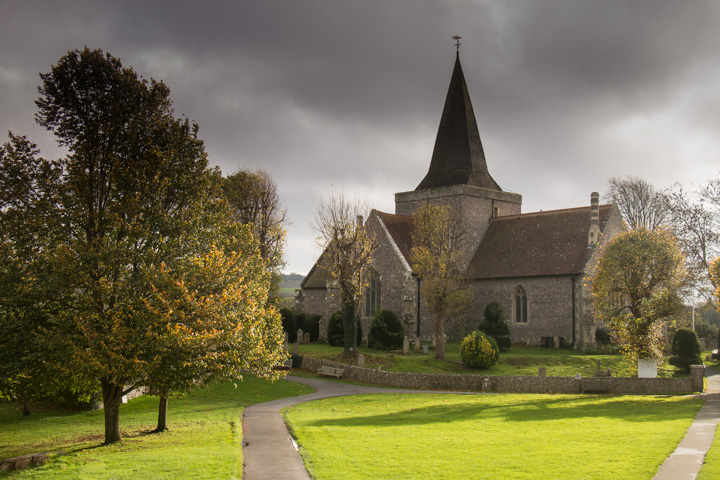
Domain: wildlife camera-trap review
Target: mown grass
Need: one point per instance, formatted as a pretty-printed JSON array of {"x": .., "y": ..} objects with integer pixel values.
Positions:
[
  {"x": 516, "y": 361},
  {"x": 204, "y": 440},
  {"x": 489, "y": 436}
]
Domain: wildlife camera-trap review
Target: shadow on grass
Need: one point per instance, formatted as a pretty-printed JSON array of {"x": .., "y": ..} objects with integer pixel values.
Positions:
[{"x": 540, "y": 410}]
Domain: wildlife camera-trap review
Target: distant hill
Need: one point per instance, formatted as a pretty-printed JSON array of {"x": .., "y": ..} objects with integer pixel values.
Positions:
[{"x": 289, "y": 283}]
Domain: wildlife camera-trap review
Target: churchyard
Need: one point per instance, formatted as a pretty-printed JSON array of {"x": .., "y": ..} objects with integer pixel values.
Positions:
[{"x": 558, "y": 436}]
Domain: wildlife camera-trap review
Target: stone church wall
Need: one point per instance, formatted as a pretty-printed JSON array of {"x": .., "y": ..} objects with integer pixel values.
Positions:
[
  {"x": 398, "y": 285},
  {"x": 550, "y": 307}
]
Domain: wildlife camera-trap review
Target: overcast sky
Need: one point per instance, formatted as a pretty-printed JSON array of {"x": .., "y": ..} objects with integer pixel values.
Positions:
[{"x": 349, "y": 93}]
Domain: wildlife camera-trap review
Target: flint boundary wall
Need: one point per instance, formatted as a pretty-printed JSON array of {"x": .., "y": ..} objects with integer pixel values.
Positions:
[{"x": 504, "y": 383}]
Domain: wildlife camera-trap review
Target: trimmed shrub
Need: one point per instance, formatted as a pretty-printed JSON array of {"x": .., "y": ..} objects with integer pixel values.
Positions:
[
  {"x": 494, "y": 324},
  {"x": 685, "y": 349},
  {"x": 336, "y": 332},
  {"x": 289, "y": 325},
  {"x": 386, "y": 331},
  {"x": 504, "y": 343},
  {"x": 479, "y": 350},
  {"x": 603, "y": 336}
]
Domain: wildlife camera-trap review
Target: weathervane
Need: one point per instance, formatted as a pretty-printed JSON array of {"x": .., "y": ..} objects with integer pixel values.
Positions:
[{"x": 457, "y": 42}]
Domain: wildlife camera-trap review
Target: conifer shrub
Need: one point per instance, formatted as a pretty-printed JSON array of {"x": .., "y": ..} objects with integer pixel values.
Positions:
[
  {"x": 336, "y": 332},
  {"x": 685, "y": 349},
  {"x": 494, "y": 324},
  {"x": 603, "y": 336},
  {"x": 479, "y": 350},
  {"x": 288, "y": 324},
  {"x": 386, "y": 331}
]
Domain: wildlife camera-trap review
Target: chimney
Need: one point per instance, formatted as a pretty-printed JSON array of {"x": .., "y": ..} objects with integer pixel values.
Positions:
[{"x": 594, "y": 232}]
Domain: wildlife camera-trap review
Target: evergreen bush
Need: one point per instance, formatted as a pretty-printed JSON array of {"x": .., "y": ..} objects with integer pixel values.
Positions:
[
  {"x": 310, "y": 324},
  {"x": 603, "y": 336},
  {"x": 494, "y": 324},
  {"x": 685, "y": 349},
  {"x": 289, "y": 325},
  {"x": 479, "y": 350},
  {"x": 336, "y": 332},
  {"x": 386, "y": 331}
]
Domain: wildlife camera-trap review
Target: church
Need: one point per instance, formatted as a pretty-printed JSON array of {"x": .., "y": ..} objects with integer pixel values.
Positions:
[{"x": 536, "y": 265}]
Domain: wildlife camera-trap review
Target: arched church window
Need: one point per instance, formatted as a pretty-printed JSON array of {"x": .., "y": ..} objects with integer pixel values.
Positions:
[
  {"x": 521, "y": 305},
  {"x": 373, "y": 294}
]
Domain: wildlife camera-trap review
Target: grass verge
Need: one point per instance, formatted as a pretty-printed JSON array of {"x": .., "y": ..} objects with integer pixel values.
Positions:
[
  {"x": 516, "y": 361},
  {"x": 204, "y": 440},
  {"x": 489, "y": 436}
]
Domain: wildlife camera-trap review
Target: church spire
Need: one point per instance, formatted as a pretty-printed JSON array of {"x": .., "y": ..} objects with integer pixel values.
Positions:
[{"x": 458, "y": 157}]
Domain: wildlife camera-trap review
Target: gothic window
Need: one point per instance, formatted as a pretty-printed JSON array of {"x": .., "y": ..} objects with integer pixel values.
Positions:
[
  {"x": 521, "y": 305},
  {"x": 373, "y": 295}
]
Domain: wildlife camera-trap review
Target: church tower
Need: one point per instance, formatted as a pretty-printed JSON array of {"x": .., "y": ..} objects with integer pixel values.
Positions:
[{"x": 458, "y": 175}]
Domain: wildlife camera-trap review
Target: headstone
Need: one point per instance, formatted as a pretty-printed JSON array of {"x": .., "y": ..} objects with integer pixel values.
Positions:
[
  {"x": 647, "y": 368},
  {"x": 296, "y": 348},
  {"x": 286, "y": 345},
  {"x": 542, "y": 371},
  {"x": 406, "y": 345},
  {"x": 425, "y": 349},
  {"x": 417, "y": 344},
  {"x": 556, "y": 342},
  {"x": 361, "y": 360},
  {"x": 306, "y": 338},
  {"x": 300, "y": 335},
  {"x": 434, "y": 342}
]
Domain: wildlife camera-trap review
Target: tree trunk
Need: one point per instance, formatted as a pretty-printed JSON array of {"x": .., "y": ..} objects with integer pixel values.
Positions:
[
  {"x": 112, "y": 399},
  {"x": 349, "y": 329},
  {"x": 26, "y": 408},
  {"x": 162, "y": 413},
  {"x": 439, "y": 335}
]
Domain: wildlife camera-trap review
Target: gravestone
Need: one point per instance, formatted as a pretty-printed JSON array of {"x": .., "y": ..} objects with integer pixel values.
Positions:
[
  {"x": 417, "y": 344},
  {"x": 556, "y": 342},
  {"x": 296, "y": 348},
  {"x": 542, "y": 371},
  {"x": 361, "y": 360},
  {"x": 406, "y": 345},
  {"x": 286, "y": 345},
  {"x": 434, "y": 342},
  {"x": 647, "y": 368},
  {"x": 300, "y": 335},
  {"x": 306, "y": 338}
]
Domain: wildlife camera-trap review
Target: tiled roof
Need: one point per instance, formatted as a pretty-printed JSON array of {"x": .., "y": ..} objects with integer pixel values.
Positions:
[
  {"x": 318, "y": 275},
  {"x": 535, "y": 244},
  {"x": 400, "y": 228}
]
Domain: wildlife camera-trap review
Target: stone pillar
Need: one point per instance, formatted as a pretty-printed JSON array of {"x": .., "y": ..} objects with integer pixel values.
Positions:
[{"x": 697, "y": 373}]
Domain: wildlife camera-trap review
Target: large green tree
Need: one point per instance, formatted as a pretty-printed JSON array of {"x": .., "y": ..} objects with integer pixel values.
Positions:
[
  {"x": 147, "y": 258},
  {"x": 638, "y": 283},
  {"x": 436, "y": 256}
]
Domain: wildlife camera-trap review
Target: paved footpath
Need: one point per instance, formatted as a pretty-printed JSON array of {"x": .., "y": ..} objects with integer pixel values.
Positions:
[
  {"x": 268, "y": 451},
  {"x": 687, "y": 459}
]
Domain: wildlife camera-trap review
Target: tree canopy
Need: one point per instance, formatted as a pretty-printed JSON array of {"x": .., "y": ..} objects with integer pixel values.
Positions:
[
  {"x": 147, "y": 279},
  {"x": 637, "y": 283}
]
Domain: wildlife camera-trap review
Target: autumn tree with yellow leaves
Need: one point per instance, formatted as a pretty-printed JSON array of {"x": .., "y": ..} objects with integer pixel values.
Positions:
[{"x": 638, "y": 283}]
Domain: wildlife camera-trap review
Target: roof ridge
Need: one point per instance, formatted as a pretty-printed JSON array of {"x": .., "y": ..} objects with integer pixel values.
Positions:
[{"x": 547, "y": 212}]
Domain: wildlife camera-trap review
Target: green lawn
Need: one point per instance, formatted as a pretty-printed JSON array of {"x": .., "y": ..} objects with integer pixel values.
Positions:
[
  {"x": 516, "y": 361},
  {"x": 204, "y": 438},
  {"x": 490, "y": 436}
]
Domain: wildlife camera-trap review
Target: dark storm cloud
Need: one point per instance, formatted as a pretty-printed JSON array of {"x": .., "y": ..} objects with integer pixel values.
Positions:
[{"x": 349, "y": 93}]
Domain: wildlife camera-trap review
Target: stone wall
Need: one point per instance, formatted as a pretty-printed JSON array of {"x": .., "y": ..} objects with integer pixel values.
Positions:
[
  {"x": 502, "y": 383},
  {"x": 550, "y": 307}
]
